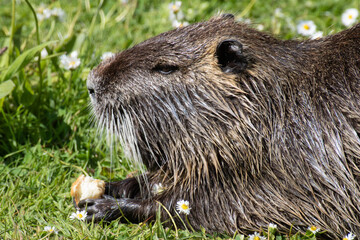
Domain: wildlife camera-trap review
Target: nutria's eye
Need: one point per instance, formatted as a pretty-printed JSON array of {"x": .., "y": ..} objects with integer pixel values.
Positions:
[{"x": 165, "y": 69}]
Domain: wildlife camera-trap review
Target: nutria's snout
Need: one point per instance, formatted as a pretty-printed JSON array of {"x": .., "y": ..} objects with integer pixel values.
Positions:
[
  {"x": 95, "y": 85},
  {"x": 91, "y": 92},
  {"x": 90, "y": 84}
]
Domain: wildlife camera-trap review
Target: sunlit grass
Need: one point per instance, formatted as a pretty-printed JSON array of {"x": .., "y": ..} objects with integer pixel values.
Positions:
[{"x": 46, "y": 137}]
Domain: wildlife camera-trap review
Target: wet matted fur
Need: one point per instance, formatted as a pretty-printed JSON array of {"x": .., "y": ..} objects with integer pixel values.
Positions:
[{"x": 249, "y": 129}]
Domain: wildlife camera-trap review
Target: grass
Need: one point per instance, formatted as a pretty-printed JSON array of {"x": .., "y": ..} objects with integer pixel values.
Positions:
[{"x": 46, "y": 137}]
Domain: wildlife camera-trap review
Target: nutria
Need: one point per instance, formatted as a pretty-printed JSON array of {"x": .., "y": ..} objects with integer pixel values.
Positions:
[{"x": 249, "y": 129}]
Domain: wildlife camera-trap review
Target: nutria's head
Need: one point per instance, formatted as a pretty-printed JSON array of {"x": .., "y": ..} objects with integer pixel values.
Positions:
[{"x": 186, "y": 100}]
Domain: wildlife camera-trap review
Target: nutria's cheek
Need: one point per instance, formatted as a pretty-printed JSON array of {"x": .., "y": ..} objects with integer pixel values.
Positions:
[{"x": 91, "y": 86}]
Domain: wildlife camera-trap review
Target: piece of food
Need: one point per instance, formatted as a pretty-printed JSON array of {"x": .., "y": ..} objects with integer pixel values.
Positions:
[{"x": 86, "y": 187}]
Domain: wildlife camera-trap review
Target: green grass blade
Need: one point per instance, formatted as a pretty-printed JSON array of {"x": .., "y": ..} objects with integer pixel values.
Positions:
[
  {"x": 22, "y": 60},
  {"x": 6, "y": 88}
]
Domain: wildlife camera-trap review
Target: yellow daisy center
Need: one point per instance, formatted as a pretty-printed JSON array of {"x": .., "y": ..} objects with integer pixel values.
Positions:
[
  {"x": 306, "y": 27},
  {"x": 184, "y": 206},
  {"x": 345, "y": 239},
  {"x": 313, "y": 228},
  {"x": 51, "y": 230},
  {"x": 80, "y": 215},
  {"x": 256, "y": 238},
  {"x": 350, "y": 16},
  {"x": 72, "y": 63},
  {"x": 175, "y": 8}
]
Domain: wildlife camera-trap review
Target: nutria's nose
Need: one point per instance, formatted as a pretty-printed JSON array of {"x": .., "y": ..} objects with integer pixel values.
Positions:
[
  {"x": 91, "y": 85},
  {"x": 91, "y": 91}
]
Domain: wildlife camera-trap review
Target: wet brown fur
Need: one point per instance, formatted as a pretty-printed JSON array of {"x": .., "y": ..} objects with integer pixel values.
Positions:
[{"x": 277, "y": 142}]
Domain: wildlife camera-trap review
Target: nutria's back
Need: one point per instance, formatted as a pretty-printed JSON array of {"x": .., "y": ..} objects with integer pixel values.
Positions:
[{"x": 250, "y": 129}]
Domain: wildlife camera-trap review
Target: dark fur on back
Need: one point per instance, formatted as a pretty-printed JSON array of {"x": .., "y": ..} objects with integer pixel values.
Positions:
[{"x": 268, "y": 135}]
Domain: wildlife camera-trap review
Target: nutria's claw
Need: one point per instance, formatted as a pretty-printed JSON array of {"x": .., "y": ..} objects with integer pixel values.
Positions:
[{"x": 106, "y": 209}]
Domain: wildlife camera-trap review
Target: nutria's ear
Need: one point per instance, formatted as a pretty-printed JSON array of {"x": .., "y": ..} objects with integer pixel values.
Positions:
[{"x": 230, "y": 56}]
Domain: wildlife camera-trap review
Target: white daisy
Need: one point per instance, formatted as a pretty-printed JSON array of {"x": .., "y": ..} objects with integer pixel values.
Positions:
[
  {"x": 272, "y": 227},
  {"x": 348, "y": 18},
  {"x": 59, "y": 13},
  {"x": 314, "y": 229},
  {"x": 260, "y": 27},
  {"x": 175, "y": 7},
  {"x": 70, "y": 62},
  {"x": 244, "y": 20},
  {"x": 81, "y": 215},
  {"x": 178, "y": 24},
  {"x": 44, "y": 53},
  {"x": 175, "y": 11},
  {"x": 51, "y": 229},
  {"x": 317, "y": 35},
  {"x": 107, "y": 55},
  {"x": 278, "y": 13},
  {"x": 350, "y": 236},
  {"x": 182, "y": 206},
  {"x": 43, "y": 13},
  {"x": 306, "y": 28},
  {"x": 256, "y": 236}
]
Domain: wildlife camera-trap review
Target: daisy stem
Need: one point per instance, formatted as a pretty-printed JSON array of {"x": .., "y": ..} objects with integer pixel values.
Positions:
[
  {"x": 70, "y": 80},
  {"x": 182, "y": 221},
  {"x": 36, "y": 21},
  {"x": 12, "y": 31},
  {"x": 39, "y": 54},
  {"x": 167, "y": 211},
  {"x": 187, "y": 220}
]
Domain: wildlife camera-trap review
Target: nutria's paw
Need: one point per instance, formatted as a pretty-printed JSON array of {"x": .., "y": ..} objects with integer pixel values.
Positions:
[{"x": 106, "y": 209}]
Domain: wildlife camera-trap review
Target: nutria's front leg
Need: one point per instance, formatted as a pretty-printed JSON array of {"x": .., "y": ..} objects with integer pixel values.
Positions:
[
  {"x": 109, "y": 209},
  {"x": 122, "y": 198}
]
